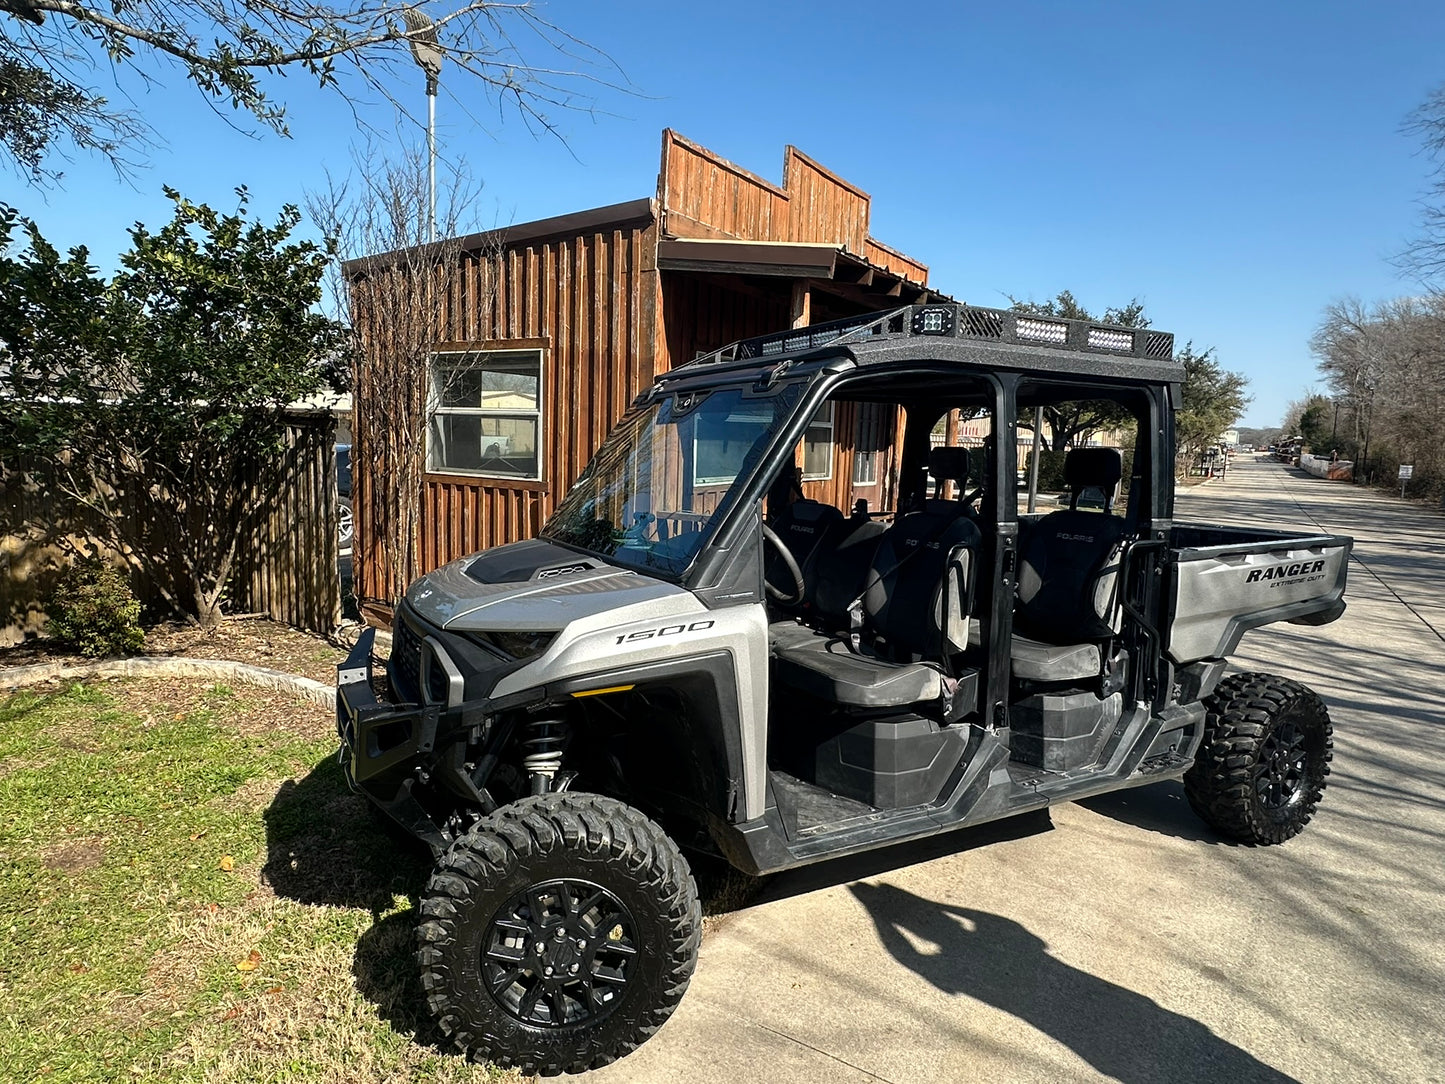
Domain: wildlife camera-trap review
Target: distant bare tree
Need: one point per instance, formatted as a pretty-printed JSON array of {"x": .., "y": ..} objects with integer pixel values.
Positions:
[
  {"x": 395, "y": 290},
  {"x": 1425, "y": 256},
  {"x": 1385, "y": 367}
]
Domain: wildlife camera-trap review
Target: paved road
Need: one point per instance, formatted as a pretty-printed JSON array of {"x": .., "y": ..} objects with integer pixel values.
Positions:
[{"x": 1119, "y": 938}]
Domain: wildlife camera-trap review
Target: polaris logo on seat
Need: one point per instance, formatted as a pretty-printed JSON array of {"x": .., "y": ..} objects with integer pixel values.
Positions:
[
  {"x": 1280, "y": 572},
  {"x": 1076, "y": 538}
]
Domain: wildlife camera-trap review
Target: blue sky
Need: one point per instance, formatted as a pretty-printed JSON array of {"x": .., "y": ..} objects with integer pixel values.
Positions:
[{"x": 1235, "y": 166}]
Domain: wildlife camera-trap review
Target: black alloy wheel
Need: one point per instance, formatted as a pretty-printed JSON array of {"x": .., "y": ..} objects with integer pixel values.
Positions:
[
  {"x": 558, "y": 933},
  {"x": 559, "y": 953},
  {"x": 1279, "y": 774}
]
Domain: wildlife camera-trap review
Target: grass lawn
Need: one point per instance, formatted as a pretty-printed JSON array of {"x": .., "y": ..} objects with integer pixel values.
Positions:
[{"x": 189, "y": 893}]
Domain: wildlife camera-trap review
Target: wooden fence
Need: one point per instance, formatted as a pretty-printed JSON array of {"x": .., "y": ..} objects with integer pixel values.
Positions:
[{"x": 286, "y": 570}]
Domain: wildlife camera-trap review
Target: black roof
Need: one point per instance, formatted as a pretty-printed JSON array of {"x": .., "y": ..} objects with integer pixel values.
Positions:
[{"x": 956, "y": 333}]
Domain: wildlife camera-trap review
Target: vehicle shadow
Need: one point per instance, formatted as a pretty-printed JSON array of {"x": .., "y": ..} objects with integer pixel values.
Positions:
[
  {"x": 386, "y": 974},
  {"x": 326, "y": 847},
  {"x": 1120, "y": 1033},
  {"x": 873, "y": 863},
  {"x": 1159, "y": 807}
]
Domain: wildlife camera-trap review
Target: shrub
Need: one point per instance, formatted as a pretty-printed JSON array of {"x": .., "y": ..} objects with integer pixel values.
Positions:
[{"x": 94, "y": 611}]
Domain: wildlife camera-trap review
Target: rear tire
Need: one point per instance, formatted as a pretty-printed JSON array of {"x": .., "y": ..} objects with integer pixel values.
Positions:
[
  {"x": 1261, "y": 769},
  {"x": 558, "y": 934}
]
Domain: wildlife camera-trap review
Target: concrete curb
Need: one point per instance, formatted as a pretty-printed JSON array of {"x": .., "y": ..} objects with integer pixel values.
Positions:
[{"x": 153, "y": 666}]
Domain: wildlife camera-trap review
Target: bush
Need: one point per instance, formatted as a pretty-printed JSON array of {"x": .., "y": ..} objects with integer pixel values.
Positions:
[{"x": 94, "y": 611}]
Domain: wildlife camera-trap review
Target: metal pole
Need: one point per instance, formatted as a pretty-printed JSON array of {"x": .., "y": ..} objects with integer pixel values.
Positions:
[
  {"x": 431, "y": 148},
  {"x": 1034, "y": 457}
]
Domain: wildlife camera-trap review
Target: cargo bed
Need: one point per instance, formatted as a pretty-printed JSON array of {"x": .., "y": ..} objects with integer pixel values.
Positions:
[{"x": 1224, "y": 581}]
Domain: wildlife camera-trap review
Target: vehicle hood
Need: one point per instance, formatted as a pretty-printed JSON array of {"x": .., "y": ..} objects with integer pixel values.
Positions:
[{"x": 532, "y": 586}]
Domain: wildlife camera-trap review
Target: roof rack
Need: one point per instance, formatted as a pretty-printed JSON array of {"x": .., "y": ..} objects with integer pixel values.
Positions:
[{"x": 957, "y": 321}]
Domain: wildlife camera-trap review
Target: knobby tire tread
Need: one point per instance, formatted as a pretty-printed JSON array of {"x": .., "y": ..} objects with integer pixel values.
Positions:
[
  {"x": 588, "y": 825},
  {"x": 1241, "y": 712}
]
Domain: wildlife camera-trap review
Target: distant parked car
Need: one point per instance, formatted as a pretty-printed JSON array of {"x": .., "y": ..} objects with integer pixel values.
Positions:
[{"x": 345, "y": 527}]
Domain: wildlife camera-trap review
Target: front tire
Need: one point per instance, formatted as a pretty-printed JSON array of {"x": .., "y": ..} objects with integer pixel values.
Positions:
[
  {"x": 1260, "y": 772},
  {"x": 558, "y": 934}
]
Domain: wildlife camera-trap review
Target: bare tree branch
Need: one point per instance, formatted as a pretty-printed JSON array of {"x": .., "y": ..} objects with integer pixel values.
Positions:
[{"x": 226, "y": 48}]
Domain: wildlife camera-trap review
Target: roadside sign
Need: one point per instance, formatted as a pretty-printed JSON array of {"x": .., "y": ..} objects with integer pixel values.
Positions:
[{"x": 1407, "y": 470}]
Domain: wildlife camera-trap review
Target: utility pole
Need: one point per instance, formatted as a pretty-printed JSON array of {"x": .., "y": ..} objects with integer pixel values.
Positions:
[{"x": 422, "y": 33}]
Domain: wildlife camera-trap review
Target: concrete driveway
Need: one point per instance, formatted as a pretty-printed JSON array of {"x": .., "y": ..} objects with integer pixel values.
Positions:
[{"x": 1119, "y": 938}]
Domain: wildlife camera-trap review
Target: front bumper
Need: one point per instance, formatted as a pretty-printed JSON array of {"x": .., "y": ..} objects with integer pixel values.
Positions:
[{"x": 382, "y": 743}]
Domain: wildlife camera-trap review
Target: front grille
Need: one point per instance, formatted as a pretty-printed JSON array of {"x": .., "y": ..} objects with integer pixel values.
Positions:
[
  {"x": 406, "y": 660},
  {"x": 437, "y": 685}
]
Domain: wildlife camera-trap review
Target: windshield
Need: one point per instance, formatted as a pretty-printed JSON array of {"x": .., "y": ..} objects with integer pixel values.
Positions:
[{"x": 655, "y": 489}]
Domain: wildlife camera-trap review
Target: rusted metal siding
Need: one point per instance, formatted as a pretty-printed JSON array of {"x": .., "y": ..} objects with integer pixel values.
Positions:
[
  {"x": 890, "y": 259},
  {"x": 829, "y": 208},
  {"x": 591, "y": 298},
  {"x": 702, "y": 194},
  {"x": 587, "y": 303},
  {"x": 705, "y": 195},
  {"x": 699, "y": 314},
  {"x": 839, "y": 490}
]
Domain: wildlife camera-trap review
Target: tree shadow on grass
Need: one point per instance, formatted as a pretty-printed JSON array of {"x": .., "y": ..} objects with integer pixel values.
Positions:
[{"x": 1122, "y": 1034}]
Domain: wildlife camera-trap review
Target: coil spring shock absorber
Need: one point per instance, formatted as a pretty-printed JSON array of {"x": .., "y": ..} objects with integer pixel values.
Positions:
[{"x": 542, "y": 752}]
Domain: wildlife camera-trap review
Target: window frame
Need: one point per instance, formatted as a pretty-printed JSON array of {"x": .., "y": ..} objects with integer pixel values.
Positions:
[
  {"x": 870, "y": 458},
  {"x": 701, "y": 481},
  {"x": 817, "y": 420},
  {"x": 867, "y": 414},
  {"x": 436, "y": 410}
]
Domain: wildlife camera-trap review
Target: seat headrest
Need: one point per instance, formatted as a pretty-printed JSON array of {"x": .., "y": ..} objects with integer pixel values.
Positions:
[
  {"x": 949, "y": 464},
  {"x": 1093, "y": 467}
]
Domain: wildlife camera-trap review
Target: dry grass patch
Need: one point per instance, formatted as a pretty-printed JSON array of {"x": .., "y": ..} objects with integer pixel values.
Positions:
[{"x": 74, "y": 856}]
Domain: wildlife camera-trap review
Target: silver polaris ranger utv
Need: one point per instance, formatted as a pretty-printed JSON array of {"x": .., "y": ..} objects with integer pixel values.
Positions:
[{"x": 695, "y": 655}]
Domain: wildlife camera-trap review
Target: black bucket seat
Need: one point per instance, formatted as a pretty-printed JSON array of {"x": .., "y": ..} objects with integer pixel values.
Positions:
[
  {"x": 1069, "y": 584},
  {"x": 918, "y": 584}
]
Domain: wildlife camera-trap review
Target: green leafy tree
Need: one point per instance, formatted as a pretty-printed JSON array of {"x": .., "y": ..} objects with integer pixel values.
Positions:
[
  {"x": 159, "y": 397},
  {"x": 1071, "y": 422},
  {"x": 1214, "y": 398},
  {"x": 1314, "y": 423},
  {"x": 227, "y": 49}
]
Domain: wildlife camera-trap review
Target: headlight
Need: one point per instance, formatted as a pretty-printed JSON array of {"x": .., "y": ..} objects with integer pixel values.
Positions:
[{"x": 516, "y": 645}]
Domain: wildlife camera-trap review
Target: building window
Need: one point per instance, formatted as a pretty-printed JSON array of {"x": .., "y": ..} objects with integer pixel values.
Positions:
[
  {"x": 722, "y": 440},
  {"x": 818, "y": 446},
  {"x": 866, "y": 443},
  {"x": 486, "y": 413}
]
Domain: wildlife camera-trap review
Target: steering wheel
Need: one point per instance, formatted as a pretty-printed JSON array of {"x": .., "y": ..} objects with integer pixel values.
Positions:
[{"x": 790, "y": 563}]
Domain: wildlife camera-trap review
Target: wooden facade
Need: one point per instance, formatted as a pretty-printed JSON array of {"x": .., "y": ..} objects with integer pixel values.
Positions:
[{"x": 612, "y": 296}]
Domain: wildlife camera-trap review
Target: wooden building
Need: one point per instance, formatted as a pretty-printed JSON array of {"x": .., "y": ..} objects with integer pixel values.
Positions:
[{"x": 575, "y": 315}]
